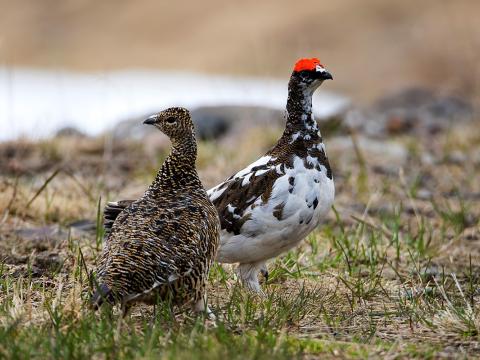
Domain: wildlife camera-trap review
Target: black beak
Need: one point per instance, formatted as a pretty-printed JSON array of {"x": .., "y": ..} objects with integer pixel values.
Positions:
[
  {"x": 150, "y": 120},
  {"x": 325, "y": 75}
]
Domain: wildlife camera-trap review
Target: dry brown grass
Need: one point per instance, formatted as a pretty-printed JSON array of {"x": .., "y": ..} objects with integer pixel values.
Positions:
[{"x": 393, "y": 273}]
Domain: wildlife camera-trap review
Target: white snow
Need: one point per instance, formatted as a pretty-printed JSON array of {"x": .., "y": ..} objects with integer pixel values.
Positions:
[{"x": 36, "y": 103}]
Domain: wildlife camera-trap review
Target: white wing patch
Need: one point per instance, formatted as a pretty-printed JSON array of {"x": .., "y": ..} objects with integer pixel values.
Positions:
[
  {"x": 231, "y": 209},
  {"x": 215, "y": 192},
  {"x": 262, "y": 161},
  {"x": 246, "y": 179}
]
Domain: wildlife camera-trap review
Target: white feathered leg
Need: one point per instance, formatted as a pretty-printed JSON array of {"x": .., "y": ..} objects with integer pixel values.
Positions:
[{"x": 248, "y": 274}]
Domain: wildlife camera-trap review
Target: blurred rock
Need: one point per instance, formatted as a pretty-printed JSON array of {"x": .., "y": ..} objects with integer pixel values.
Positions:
[
  {"x": 387, "y": 157},
  {"x": 131, "y": 129},
  {"x": 84, "y": 225},
  {"x": 234, "y": 118},
  {"x": 42, "y": 238},
  {"x": 413, "y": 111},
  {"x": 215, "y": 122},
  {"x": 70, "y": 131},
  {"x": 409, "y": 98},
  {"x": 211, "y": 122}
]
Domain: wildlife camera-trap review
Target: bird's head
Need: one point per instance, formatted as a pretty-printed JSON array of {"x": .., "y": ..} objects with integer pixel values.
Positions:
[
  {"x": 174, "y": 122},
  {"x": 310, "y": 73}
]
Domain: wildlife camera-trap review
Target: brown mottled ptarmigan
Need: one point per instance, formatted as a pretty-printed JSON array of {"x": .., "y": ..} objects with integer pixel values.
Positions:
[
  {"x": 162, "y": 245},
  {"x": 275, "y": 202}
]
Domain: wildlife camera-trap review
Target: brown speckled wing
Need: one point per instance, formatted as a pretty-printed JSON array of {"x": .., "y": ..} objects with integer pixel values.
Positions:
[
  {"x": 239, "y": 193},
  {"x": 169, "y": 240}
]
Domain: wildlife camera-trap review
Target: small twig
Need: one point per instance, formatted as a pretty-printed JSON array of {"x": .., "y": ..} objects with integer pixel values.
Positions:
[
  {"x": 358, "y": 152},
  {"x": 14, "y": 194},
  {"x": 82, "y": 187},
  {"x": 83, "y": 264},
  {"x": 10, "y": 202},
  {"x": 50, "y": 178},
  {"x": 457, "y": 284},
  {"x": 373, "y": 226}
]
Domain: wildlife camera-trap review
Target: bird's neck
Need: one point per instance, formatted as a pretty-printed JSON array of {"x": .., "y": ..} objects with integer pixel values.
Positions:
[
  {"x": 178, "y": 170},
  {"x": 300, "y": 121},
  {"x": 301, "y": 136}
]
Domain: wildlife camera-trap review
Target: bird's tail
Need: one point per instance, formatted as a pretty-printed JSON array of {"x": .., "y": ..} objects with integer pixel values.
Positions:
[{"x": 103, "y": 293}]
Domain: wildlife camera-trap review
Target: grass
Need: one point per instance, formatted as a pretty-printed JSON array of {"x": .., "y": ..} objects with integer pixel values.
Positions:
[{"x": 392, "y": 272}]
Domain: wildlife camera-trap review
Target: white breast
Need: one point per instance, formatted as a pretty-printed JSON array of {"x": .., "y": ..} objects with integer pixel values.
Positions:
[{"x": 265, "y": 236}]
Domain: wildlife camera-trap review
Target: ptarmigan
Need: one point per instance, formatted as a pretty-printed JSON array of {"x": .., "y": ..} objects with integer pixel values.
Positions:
[
  {"x": 275, "y": 202},
  {"x": 163, "y": 244}
]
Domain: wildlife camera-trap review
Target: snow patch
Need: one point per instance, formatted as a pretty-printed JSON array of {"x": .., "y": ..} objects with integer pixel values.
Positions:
[{"x": 36, "y": 103}]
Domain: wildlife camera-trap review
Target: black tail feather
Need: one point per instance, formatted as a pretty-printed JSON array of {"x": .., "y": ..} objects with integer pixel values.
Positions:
[{"x": 111, "y": 212}]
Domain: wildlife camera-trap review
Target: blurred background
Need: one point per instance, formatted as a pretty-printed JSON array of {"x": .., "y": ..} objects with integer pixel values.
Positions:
[
  {"x": 399, "y": 121},
  {"x": 91, "y": 64}
]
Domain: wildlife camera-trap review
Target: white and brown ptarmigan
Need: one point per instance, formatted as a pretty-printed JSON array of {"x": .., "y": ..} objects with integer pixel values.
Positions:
[
  {"x": 162, "y": 245},
  {"x": 275, "y": 202}
]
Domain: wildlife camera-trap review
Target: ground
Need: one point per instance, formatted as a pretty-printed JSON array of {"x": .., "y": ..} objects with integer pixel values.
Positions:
[{"x": 393, "y": 271}]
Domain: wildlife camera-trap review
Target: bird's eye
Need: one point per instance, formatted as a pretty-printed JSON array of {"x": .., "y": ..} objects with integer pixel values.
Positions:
[{"x": 171, "y": 120}]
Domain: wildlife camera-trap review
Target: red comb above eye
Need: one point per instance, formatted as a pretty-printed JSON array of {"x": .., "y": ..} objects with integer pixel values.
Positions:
[{"x": 307, "y": 64}]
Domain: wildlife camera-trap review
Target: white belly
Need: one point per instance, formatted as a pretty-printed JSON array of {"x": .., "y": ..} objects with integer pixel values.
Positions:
[{"x": 264, "y": 236}]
